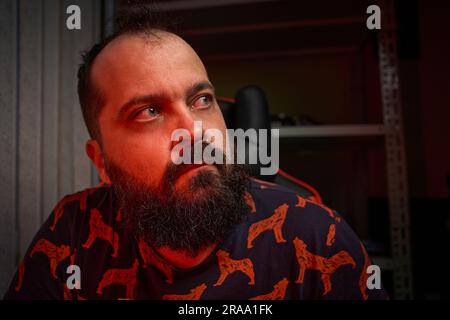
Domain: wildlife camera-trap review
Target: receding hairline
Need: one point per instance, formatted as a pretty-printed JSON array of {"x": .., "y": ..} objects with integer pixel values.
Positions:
[{"x": 152, "y": 36}]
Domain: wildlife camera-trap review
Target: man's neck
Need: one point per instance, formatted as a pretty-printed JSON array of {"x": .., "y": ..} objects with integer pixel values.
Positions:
[{"x": 182, "y": 260}]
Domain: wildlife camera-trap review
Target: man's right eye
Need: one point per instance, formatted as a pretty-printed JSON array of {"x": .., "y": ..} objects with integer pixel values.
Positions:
[{"x": 147, "y": 114}]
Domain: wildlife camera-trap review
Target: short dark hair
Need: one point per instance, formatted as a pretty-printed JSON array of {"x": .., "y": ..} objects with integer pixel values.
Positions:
[{"x": 134, "y": 19}]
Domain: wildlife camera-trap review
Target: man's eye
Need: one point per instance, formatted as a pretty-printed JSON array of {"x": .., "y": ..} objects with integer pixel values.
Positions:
[
  {"x": 147, "y": 114},
  {"x": 203, "y": 102}
]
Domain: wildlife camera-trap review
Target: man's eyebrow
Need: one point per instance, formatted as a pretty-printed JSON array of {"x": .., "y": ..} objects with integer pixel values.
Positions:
[
  {"x": 136, "y": 100},
  {"x": 197, "y": 87}
]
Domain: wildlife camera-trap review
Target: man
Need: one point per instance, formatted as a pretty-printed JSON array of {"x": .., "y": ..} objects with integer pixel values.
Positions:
[{"x": 156, "y": 230}]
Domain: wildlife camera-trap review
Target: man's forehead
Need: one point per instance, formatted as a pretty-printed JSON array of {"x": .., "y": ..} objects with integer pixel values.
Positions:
[{"x": 132, "y": 63}]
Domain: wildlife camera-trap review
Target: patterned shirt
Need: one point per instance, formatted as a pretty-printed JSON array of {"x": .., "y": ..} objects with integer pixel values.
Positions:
[{"x": 287, "y": 247}]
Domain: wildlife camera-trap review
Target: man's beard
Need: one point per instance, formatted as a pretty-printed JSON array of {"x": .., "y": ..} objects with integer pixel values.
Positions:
[{"x": 202, "y": 214}]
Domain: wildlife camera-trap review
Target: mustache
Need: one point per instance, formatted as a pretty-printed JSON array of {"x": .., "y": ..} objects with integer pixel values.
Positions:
[
  {"x": 174, "y": 171},
  {"x": 171, "y": 173}
]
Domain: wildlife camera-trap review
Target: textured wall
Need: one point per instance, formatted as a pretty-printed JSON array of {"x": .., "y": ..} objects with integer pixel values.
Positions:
[{"x": 42, "y": 133}]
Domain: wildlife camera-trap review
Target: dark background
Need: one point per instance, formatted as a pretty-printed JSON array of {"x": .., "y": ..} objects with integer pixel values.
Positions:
[{"x": 317, "y": 63}]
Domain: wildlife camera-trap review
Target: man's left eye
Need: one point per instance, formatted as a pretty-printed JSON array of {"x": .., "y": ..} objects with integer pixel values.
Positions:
[{"x": 203, "y": 102}]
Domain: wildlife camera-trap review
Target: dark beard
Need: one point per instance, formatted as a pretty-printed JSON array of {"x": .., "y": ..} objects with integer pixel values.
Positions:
[{"x": 189, "y": 222}]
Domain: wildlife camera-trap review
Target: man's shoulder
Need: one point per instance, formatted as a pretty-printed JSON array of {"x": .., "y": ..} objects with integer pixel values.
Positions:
[
  {"x": 98, "y": 197},
  {"x": 282, "y": 206},
  {"x": 297, "y": 220},
  {"x": 270, "y": 195},
  {"x": 92, "y": 196}
]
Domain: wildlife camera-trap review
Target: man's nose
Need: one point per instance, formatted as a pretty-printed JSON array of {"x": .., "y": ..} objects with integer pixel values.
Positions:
[{"x": 185, "y": 120}]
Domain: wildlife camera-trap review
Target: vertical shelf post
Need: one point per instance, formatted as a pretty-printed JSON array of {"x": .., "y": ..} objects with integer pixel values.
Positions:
[{"x": 395, "y": 153}]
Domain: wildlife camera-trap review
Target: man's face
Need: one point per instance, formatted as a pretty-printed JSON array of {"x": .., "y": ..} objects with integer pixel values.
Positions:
[{"x": 149, "y": 87}]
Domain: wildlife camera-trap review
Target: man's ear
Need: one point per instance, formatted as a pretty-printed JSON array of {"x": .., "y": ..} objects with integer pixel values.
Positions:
[{"x": 94, "y": 153}]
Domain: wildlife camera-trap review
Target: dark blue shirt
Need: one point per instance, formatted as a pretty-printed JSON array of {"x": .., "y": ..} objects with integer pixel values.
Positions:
[{"x": 287, "y": 247}]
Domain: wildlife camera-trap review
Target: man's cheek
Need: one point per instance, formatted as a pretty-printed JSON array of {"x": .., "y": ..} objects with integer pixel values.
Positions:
[{"x": 151, "y": 171}]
